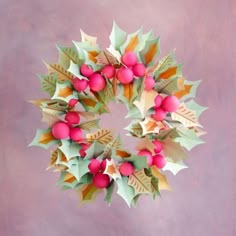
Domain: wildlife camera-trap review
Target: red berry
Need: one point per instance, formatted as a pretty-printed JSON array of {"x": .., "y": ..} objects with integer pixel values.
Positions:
[
  {"x": 96, "y": 82},
  {"x": 86, "y": 70},
  {"x": 60, "y": 130},
  {"x": 158, "y": 146},
  {"x": 147, "y": 154},
  {"x": 76, "y": 134},
  {"x": 101, "y": 180},
  {"x": 108, "y": 71},
  {"x": 94, "y": 166},
  {"x": 125, "y": 75},
  {"x": 84, "y": 147},
  {"x": 72, "y": 102},
  {"x": 139, "y": 70},
  {"x": 72, "y": 117},
  {"x": 103, "y": 164},
  {"x": 80, "y": 84},
  {"x": 159, "y": 115},
  {"x": 126, "y": 169},
  {"x": 159, "y": 161},
  {"x": 170, "y": 103},
  {"x": 129, "y": 59},
  {"x": 158, "y": 101},
  {"x": 149, "y": 83}
]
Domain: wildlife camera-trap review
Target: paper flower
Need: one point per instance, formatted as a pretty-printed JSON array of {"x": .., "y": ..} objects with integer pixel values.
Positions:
[{"x": 157, "y": 97}]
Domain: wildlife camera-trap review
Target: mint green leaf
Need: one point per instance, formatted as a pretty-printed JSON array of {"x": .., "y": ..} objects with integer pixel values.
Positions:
[
  {"x": 65, "y": 185},
  {"x": 194, "y": 86},
  {"x": 135, "y": 129},
  {"x": 163, "y": 134},
  {"x": 70, "y": 149},
  {"x": 174, "y": 167},
  {"x": 174, "y": 71},
  {"x": 74, "y": 69},
  {"x": 109, "y": 193},
  {"x": 117, "y": 36},
  {"x": 89, "y": 125},
  {"x": 111, "y": 146},
  {"x": 139, "y": 162},
  {"x": 167, "y": 86},
  {"x": 154, "y": 182},
  {"x": 192, "y": 105},
  {"x": 48, "y": 83},
  {"x": 95, "y": 150},
  {"x": 134, "y": 113}
]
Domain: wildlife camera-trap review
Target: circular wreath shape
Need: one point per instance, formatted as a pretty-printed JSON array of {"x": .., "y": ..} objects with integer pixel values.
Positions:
[{"x": 158, "y": 100}]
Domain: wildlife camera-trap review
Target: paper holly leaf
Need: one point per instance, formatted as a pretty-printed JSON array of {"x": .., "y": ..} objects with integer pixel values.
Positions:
[
  {"x": 44, "y": 139},
  {"x": 117, "y": 36},
  {"x": 173, "y": 150},
  {"x": 174, "y": 167},
  {"x": 135, "y": 129},
  {"x": 106, "y": 57},
  {"x": 174, "y": 71},
  {"x": 109, "y": 192},
  {"x": 145, "y": 143},
  {"x": 125, "y": 191},
  {"x": 189, "y": 90},
  {"x": 140, "y": 182},
  {"x": 67, "y": 54},
  {"x": 112, "y": 169},
  {"x": 62, "y": 73},
  {"x": 78, "y": 167},
  {"x": 53, "y": 159},
  {"x": 65, "y": 92},
  {"x": 188, "y": 138},
  {"x": 132, "y": 42},
  {"x": 89, "y": 125},
  {"x": 172, "y": 133},
  {"x": 192, "y": 105},
  {"x": 185, "y": 116},
  {"x": 115, "y": 53},
  {"x": 70, "y": 149},
  {"x": 197, "y": 130},
  {"x": 146, "y": 37},
  {"x": 113, "y": 145},
  {"x": 87, "y": 193},
  {"x": 146, "y": 101},
  {"x": 87, "y": 38},
  {"x": 150, "y": 51},
  {"x": 119, "y": 154},
  {"x": 57, "y": 161},
  {"x": 48, "y": 83},
  {"x": 103, "y": 136},
  {"x": 67, "y": 180},
  {"x": 87, "y": 115},
  {"x": 154, "y": 182},
  {"x": 95, "y": 150},
  {"x": 134, "y": 113},
  {"x": 74, "y": 69},
  {"x": 139, "y": 162},
  {"x": 150, "y": 125},
  {"x": 49, "y": 119},
  {"x": 62, "y": 159},
  {"x": 169, "y": 86}
]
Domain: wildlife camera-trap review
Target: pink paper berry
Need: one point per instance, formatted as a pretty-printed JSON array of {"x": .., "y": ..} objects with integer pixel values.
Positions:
[
  {"x": 86, "y": 70},
  {"x": 126, "y": 169},
  {"x": 149, "y": 83},
  {"x": 72, "y": 102},
  {"x": 103, "y": 164},
  {"x": 159, "y": 114},
  {"x": 108, "y": 71},
  {"x": 83, "y": 149},
  {"x": 76, "y": 134},
  {"x": 80, "y": 84},
  {"x": 170, "y": 103},
  {"x": 158, "y": 146},
  {"x": 96, "y": 82},
  {"x": 129, "y": 59},
  {"x": 101, "y": 180},
  {"x": 125, "y": 75},
  {"x": 147, "y": 154},
  {"x": 139, "y": 70},
  {"x": 72, "y": 117},
  {"x": 60, "y": 130},
  {"x": 159, "y": 161},
  {"x": 94, "y": 166},
  {"x": 158, "y": 101}
]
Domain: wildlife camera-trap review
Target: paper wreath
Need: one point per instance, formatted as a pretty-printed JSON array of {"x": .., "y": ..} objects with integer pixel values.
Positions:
[{"x": 157, "y": 97}]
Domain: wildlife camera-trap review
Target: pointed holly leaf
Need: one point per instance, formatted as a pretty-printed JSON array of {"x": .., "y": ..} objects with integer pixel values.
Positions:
[
  {"x": 120, "y": 154},
  {"x": 109, "y": 192},
  {"x": 103, "y": 136},
  {"x": 125, "y": 191},
  {"x": 106, "y": 57},
  {"x": 70, "y": 149},
  {"x": 67, "y": 54},
  {"x": 74, "y": 70},
  {"x": 150, "y": 51},
  {"x": 113, "y": 145},
  {"x": 145, "y": 143},
  {"x": 162, "y": 180},
  {"x": 112, "y": 169},
  {"x": 163, "y": 134},
  {"x": 48, "y": 83},
  {"x": 95, "y": 150},
  {"x": 62, "y": 73},
  {"x": 171, "y": 72},
  {"x": 192, "y": 105},
  {"x": 197, "y": 130},
  {"x": 53, "y": 159},
  {"x": 67, "y": 180},
  {"x": 169, "y": 86},
  {"x": 49, "y": 119},
  {"x": 89, "y": 125},
  {"x": 134, "y": 113},
  {"x": 117, "y": 36},
  {"x": 173, "y": 150},
  {"x": 44, "y": 138},
  {"x": 135, "y": 129},
  {"x": 87, "y": 38},
  {"x": 146, "y": 101},
  {"x": 185, "y": 116},
  {"x": 174, "y": 167},
  {"x": 140, "y": 182},
  {"x": 139, "y": 162},
  {"x": 150, "y": 125},
  {"x": 154, "y": 182}
]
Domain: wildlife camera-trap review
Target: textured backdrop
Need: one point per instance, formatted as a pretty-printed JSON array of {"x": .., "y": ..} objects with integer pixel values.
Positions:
[{"x": 204, "y": 198}]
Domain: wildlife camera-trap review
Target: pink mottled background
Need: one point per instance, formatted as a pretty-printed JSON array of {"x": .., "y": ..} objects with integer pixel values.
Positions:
[{"x": 204, "y": 198}]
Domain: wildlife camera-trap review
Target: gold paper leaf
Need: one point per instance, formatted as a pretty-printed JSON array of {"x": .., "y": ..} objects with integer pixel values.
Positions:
[
  {"x": 112, "y": 169},
  {"x": 145, "y": 143},
  {"x": 102, "y": 136},
  {"x": 88, "y": 193}
]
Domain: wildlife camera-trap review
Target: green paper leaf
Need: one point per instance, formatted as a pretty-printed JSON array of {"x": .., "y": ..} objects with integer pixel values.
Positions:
[
  {"x": 109, "y": 193},
  {"x": 150, "y": 51},
  {"x": 135, "y": 129},
  {"x": 174, "y": 167},
  {"x": 89, "y": 125},
  {"x": 117, "y": 36},
  {"x": 168, "y": 86},
  {"x": 113, "y": 145},
  {"x": 74, "y": 69},
  {"x": 139, "y": 162},
  {"x": 67, "y": 54},
  {"x": 163, "y": 134},
  {"x": 124, "y": 190},
  {"x": 66, "y": 182},
  {"x": 95, "y": 150},
  {"x": 70, "y": 149},
  {"x": 171, "y": 72},
  {"x": 134, "y": 113},
  {"x": 44, "y": 139},
  {"x": 135, "y": 200},
  {"x": 64, "y": 92},
  {"x": 154, "y": 182},
  {"x": 192, "y": 105},
  {"x": 48, "y": 83}
]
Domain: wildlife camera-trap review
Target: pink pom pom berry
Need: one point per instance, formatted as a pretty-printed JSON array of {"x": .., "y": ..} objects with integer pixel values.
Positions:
[
  {"x": 60, "y": 130},
  {"x": 80, "y": 84},
  {"x": 101, "y": 180},
  {"x": 158, "y": 101},
  {"x": 125, "y": 75},
  {"x": 139, "y": 70},
  {"x": 170, "y": 103},
  {"x": 86, "y": 70},
  {"x": 149, "y": 83},
  {"x": 147, "y": 154},
  {"x": 159, "y": 114},
  {"x": 96, "y": 82},
  {"x": 108, "y": 71},
  {"x": 159, "y": 161},
  {"x": 103, "y": 164},
  {"x": 94, "y": 166},
  {"x": 129, "y": 59},
  {"x": 83, "y": 149},
  {"x": 72, "y": 102},
  {"x": 76, "y": 134},
  {"x": 158, "y": 146},
  {"x": 126, "y": 169},
  {"x": 72, "y": 117}
]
